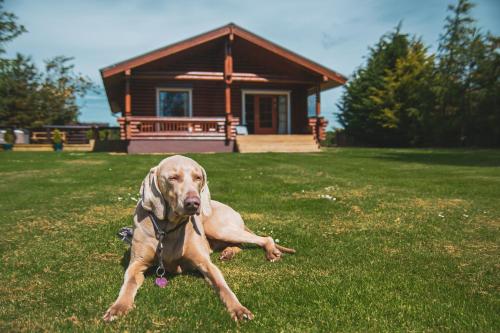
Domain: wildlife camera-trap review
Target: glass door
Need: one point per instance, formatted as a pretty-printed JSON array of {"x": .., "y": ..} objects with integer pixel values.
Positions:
[{"x": 265, "y": 114}]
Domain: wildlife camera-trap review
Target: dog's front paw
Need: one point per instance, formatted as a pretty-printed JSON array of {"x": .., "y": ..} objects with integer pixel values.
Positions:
[
  {"x": 273, "y": 254},
  {"x": 241, "y": 313},
  {"x": 116, "y": 310},
  {"x": 227, "y": 254}
]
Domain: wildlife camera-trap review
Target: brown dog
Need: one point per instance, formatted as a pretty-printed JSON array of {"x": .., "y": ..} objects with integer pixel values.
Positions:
[{"x": 177, "y": 194}]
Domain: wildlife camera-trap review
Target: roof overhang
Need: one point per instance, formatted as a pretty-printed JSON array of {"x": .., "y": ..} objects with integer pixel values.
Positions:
[{"x": 331, "y": 78}]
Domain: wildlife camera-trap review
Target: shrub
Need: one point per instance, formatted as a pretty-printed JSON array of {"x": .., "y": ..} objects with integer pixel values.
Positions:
[
  {"x": 9, "y": 136},
  {"x": 57, "y": 137}
]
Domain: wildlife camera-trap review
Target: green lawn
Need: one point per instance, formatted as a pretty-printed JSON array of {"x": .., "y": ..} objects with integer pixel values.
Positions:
[{"x": 386, "y": 239}]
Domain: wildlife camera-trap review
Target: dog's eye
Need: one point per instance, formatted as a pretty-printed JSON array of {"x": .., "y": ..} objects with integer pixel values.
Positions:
[
  {"x": 173, "y": 178},
  {"x": 197, "y": 179}
]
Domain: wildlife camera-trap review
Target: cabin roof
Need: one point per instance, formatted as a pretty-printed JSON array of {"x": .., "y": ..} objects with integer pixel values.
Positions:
[{"x": 228, "y": 29}]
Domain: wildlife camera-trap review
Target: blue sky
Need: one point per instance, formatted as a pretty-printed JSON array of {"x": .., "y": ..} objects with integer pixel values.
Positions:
[{"x": 334, "y": 33}]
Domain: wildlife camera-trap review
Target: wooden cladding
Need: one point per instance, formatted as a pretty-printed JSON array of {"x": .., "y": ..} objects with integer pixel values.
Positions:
[{"x": 207, "y": 97}]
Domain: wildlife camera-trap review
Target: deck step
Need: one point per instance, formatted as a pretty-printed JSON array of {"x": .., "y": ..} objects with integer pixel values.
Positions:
[{"x": 296, "y": 143}]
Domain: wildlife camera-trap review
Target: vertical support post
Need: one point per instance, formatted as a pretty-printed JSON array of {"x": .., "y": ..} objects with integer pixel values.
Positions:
[
  {"x": 229, "y": 116},
  {"x": 128, "y": 105},
  {"x": 228, "y": 78},
  {"x": 318, "y": 102},
  {"x": 318, "y": 114}
]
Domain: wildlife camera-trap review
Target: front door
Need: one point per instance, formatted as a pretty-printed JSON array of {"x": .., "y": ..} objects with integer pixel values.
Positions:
[{"x": 266, "y": 114}]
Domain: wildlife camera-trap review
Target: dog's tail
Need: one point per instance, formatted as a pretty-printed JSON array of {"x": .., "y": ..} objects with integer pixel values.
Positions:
[{"x": 279, "y": 247}]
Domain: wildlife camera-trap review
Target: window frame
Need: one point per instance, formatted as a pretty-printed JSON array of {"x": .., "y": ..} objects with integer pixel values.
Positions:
[{"x": 175, "y": 89}]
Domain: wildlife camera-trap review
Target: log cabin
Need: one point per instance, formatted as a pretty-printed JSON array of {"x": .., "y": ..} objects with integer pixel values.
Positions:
[{"x": 221, "y": 91}]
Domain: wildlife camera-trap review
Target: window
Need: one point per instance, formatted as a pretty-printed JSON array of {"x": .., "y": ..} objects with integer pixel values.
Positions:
[{"x": 174, "y": 102}]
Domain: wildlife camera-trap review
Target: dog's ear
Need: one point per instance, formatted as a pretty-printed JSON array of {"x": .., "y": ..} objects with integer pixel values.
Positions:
[
  {"x": 151, "y": 197},
  {"x": 206, "y": 206}
]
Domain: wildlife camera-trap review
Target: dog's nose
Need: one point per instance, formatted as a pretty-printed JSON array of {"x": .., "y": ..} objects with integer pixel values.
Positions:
[{"x": 192, "y": 203}]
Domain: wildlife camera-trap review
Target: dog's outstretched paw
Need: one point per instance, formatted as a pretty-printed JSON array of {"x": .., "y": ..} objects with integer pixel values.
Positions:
[
  {"x": 227, "y": 254},
  {"x": 115, "y": 311},
  {"x": 241, "y": 313},
  {"x": 273, "y": 254}
]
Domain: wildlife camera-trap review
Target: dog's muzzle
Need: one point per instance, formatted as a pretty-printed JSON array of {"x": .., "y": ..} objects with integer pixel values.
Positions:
[{"x": 192, "y": 205}]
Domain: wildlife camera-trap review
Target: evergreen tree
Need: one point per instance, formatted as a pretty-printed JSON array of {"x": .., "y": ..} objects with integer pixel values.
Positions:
[
  {"x": 457, "y": 47},
  {"x": 484, "y": 91},
  {"x": 361, "y": 114},
  {"x": 406, "y": 98}
]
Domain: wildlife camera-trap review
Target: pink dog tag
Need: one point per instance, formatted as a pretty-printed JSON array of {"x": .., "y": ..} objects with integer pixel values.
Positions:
[{"x": 161, "y": 282}]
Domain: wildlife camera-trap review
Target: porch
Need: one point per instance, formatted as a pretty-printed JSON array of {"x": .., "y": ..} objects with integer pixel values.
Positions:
[{"x": 202, "y": 134}]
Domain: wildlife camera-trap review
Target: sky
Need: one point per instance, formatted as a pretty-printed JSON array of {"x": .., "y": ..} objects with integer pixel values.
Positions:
[{"x": 334, "y": 33}]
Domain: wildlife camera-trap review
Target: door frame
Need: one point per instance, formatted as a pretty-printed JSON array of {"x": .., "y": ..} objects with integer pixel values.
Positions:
[{"x": 245, "y": 92}]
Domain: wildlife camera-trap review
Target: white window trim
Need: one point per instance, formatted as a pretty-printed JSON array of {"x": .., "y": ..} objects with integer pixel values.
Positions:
[
  {"x": 190, "y": 93},
  {"x": 245, "y": 92}
]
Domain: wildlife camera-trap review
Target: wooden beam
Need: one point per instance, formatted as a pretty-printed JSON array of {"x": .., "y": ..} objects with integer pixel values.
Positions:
[
  {"x": 228, "y": 99},
  {"x": 228, "y": 79},
  {"x": 219, "y": 76},
  {"x": 229, "y": 116},
  {"x": 244, "y": 77},
  {"x": 128, "y": 105},
  {"x": 128, "y": 100},
  {"x": 228, "y": 62}
]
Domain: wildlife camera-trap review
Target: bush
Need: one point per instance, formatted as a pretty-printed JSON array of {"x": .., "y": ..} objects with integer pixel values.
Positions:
[
  {"x": 57, "y": 137},
  {"x": 9, "y": 136},
  {"x": 330, "y": 139}
]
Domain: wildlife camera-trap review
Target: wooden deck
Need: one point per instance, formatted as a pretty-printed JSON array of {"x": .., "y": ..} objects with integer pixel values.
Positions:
[{"x": 49, "y": 147}]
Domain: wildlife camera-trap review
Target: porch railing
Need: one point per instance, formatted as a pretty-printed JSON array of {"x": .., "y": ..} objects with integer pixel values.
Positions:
[
  {"x": 318, "y": 128},
  {"x": 213, "y": 128}
]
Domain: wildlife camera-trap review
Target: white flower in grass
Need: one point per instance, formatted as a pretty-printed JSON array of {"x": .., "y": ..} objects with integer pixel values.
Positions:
[
  {"x": 465, "y": 215},
  {"x": 120, "y": 198},
  {"x": 276, "y": 240},
  {"x": 133, "y": 199},
  {"x": 441, "y": 215}
]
